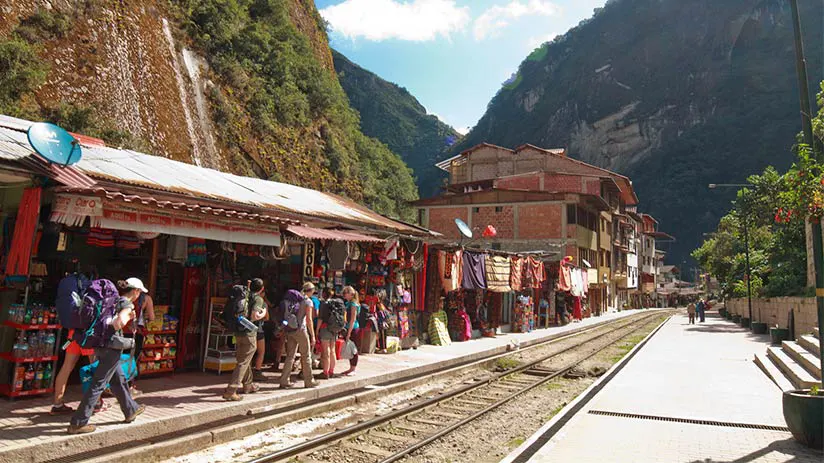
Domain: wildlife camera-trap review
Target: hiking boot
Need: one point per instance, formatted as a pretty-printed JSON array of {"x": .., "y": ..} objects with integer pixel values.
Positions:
[
  {"x": 231, "y": 396},
  {"x": 61, "y": 409},
  {"x": 136, "y": 413},
  {"x": 85, "y": 429}
]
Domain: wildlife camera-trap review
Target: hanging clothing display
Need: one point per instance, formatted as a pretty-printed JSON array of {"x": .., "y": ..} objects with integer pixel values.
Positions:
[
  {"x": 498, "y": 270},
  {"x": 564, "y": 278},
  {"x": 524, "y": 320},
  {"x": 516, "y": 273},
  {"x": 533, "y": 273},
  {"x": 450, "y": 265},
  {"x": 177, "y": 249},
  {"x": 127, "y": 241},
  {"x": 460, "y": 328},
  {"x": 585, "y": 282},
  {"x": 474, "y": 270},
  {"x": 100, "y": 237},
  {"x": 24, "y": 229},
  {"x": 577, "y": 288},
  {"x": 338, "y": 253},
  {"x": 438, "y": 334},
  {"x": 577, "y": 311}
]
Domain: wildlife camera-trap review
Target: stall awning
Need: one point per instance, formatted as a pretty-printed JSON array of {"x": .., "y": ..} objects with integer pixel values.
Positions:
[{"x": 334, "y": 235}]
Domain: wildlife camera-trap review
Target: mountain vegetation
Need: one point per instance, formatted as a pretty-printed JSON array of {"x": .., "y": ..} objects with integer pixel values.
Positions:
[
  {"x": 392, "y": 115},
  {"x": 275, "y": 108},
  {"x": 675, "y": 94}
]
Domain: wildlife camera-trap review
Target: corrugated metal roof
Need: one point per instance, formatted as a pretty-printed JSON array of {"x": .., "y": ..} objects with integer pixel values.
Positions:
[
  {"x": 132, "y": 168},
  {"x": 334, "y": 235}
]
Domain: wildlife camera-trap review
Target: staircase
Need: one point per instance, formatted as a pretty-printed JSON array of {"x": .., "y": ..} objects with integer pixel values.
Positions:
[{"x": 794, "y": 365}]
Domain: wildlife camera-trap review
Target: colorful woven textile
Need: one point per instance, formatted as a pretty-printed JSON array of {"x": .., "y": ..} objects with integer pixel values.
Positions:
[
  {"x": 438, "y": 334},
  {"x": 498, "y": 270},
  {"x": 450, "y": 265},
  {"x": 516, "y": 273}
]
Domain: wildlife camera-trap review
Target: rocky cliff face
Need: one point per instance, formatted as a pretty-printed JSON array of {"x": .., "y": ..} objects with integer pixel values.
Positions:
[{"x": 674, "y": 93}]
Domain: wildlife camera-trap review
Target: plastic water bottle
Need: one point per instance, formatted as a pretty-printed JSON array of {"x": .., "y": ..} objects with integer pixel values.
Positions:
[
  {"x": 244, "y": 322},
  {"x": 51, "y": 340}
]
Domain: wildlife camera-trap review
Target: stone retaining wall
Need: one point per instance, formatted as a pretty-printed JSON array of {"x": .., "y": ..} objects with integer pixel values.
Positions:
[{"x": 775, "y": 311}]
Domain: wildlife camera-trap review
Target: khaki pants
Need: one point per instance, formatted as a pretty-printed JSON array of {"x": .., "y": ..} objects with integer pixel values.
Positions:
[
  {"x": 246, "y": 347},
  {"x": 297, "y": 341}
]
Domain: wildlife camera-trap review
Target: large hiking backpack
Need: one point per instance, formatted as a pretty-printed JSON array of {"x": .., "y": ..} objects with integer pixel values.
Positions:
[
  {"x": 69, "y": 299},
  {"x": 291, "y": 306},
  {"x": 95, "y": 315},
  {"x": 336, "y": 320},
  {"x": 236, "y": 305}
]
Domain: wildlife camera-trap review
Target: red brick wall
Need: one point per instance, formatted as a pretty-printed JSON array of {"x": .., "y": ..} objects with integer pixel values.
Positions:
[
  {"x": 563, "y": 183},
  {"x": 442, "y": 220},
  {"x": 523, "y": 182},
  {"x": 540, "y": 221},
  {"x": 593, "y": 186},
  {"x": 504, "y": 221}
]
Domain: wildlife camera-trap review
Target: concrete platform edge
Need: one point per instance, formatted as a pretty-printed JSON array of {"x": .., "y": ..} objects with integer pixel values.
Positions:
[{"x": 540, "y": 438}]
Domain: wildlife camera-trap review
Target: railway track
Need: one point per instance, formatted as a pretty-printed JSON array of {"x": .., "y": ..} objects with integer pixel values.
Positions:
[{"x": 391, "y": 437}]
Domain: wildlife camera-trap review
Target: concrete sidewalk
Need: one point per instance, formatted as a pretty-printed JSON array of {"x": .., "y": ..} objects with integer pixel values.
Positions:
[
  {"x": 184, "y": 401},
  {"x": 701, "y": 372}
]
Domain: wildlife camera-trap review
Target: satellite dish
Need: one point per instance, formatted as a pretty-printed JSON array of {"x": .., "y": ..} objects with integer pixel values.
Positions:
[
  {"x": 54, "y": 143},
  {"x": 463, "y": 228}
]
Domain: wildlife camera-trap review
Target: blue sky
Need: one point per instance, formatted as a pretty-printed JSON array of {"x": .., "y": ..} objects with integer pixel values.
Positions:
[{"x": 452, "y": 55}]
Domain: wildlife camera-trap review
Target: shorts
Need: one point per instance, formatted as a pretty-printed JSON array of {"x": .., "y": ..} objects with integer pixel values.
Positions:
[
  {"x": 75, "y": 349},
  {"x": 325, "y": 334}
]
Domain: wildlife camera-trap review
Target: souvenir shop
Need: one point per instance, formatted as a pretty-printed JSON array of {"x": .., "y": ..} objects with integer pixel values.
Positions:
[
  {"x": 474, "y": 294},
  {"x": 569, "y": 289}
]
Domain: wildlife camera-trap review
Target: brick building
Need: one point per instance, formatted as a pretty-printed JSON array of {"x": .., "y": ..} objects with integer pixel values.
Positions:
[{"x": 541, "y": 200}]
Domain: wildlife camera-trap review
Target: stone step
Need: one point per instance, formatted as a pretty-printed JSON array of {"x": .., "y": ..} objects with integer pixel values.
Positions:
[
  {"x": 771, "y": 370},
  {"x": 803, "y": 357},
  {"x": 801, "y": 378},
  {"x": 810, "y": 343}
]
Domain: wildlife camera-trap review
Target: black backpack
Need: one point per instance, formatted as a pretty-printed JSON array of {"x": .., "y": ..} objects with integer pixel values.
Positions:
[
  {"x": 236, "y": 305},
  {"x": 336, "y": 320}
]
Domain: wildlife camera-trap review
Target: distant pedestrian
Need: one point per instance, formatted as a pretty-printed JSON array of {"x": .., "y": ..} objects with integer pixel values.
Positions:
[
  {"x": 300, "y": 337},
  {"x": 691, "y": 313},
  {"x": 253, "y": 309},
  {"x": 700, "y": 308},
  {"x": 352, "y": 325}
]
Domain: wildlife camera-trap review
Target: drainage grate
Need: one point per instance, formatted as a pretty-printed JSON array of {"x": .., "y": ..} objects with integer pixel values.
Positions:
[{"x": 687, "y": 420}]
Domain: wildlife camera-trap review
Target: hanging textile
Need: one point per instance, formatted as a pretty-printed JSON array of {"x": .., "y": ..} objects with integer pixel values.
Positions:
[
  {"x": 577, "y": 312},
  {"x": 438, "y": 334},
  {"x": 196, "y": 254},
  {"x": 474, "y": 270},
  {"x": 450, "y": 265},
  {"x": 533, "y": 273},
  {"x": 498, "y": 271},
  {"x": 100, "y": 237},
  {"x": 564, "y": 278},
  {"x": 585, "y": 281},
  {"x": 338, "y": 253},
  {"x": 177, "y": 248},
  {"x": 127, "y": 241},
  {"x": 516, "y": 273},
  {"x": 577, "y": 289},
  {"x": 523, "y": 321},
  {"x": 24, "y": 230}
]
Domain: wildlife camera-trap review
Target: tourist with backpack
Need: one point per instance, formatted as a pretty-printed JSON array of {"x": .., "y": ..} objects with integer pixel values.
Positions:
[
  {"x": 298, "y": 312},
  {"x": 106, "y": 309},
  {"x": 331, "y": 321},
  {"x": 244, "y": 307},
  {"x": 352, "y": 326}
]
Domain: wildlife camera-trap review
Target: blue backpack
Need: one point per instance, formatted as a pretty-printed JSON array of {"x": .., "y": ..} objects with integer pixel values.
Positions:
[{"x": 70, "y": 292}]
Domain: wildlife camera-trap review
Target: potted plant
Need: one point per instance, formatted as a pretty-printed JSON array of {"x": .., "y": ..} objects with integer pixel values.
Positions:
[
  {"x": 779, "y": 334},
  {"x": 804, "y": 414},
  {"x": 759, "y": 327}
]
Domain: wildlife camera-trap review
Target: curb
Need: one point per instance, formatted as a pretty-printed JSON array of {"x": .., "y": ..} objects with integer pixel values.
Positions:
[{"x": 542, "y": 436}]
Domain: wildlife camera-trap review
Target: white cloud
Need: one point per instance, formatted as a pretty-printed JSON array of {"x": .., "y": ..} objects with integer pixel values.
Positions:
[
  {"x": 414, "y": 20},
  {"x": 499, "y": 16},
  {"x": 536, "y": 41},
  {"x": 463, "y": 130}
]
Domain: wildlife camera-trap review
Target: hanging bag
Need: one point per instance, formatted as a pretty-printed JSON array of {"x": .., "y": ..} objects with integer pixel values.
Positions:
[{"x": 349, "y": 350}]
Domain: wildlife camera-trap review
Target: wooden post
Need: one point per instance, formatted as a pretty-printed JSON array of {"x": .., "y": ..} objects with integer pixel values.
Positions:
[{"x": 153, "y": 267}]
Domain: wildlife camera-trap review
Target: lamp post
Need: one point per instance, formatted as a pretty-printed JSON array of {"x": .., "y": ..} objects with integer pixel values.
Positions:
[{"x": 713, "y": 186}]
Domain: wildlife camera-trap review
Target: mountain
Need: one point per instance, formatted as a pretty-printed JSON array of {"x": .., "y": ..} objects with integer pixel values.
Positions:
[
  {"x": 392, "y": 115},
  {"x": 246, "y": 86},
  {"x": 675, "y": 94}
]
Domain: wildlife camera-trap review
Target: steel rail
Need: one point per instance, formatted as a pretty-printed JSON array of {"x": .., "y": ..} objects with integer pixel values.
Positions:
[{"x": 331, "y": 438}]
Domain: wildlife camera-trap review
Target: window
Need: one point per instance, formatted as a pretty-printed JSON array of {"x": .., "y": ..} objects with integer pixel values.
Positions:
[
  {"x": 422, "y": 217},
  {"x": 571, "y": 215},
  {"x": 499, "y": 209},
  {"x": 476, "y": 210}
]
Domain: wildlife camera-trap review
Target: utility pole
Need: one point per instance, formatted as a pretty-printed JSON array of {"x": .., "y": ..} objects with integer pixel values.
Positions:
[{"x": 807, "y": 128}]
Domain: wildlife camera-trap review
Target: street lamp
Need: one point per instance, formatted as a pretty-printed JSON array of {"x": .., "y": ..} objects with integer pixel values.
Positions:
[{"x": 714, "y": 186}]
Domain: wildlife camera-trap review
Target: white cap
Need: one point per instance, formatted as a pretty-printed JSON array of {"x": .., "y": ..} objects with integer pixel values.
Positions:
[{"x": 136, "y": 283}]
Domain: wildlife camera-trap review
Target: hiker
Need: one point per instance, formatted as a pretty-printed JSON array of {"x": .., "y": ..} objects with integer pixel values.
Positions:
[
  {"x": 144, "y": 307},
  {"x": 111, "y": 344},
  {"x": 298, "y": 311},
  {"x": 250, "y": 305},
  {"x": 691, "y": 313},
  {"x": 700, "y": 308},
  {"x": 331, "y": 321},
  {"x": 352, "y": 326}
]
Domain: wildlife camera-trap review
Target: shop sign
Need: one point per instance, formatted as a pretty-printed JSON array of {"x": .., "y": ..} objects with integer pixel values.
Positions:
[
  {"x": 73, "y": 209},
  {"x": 308, "y": 261}
]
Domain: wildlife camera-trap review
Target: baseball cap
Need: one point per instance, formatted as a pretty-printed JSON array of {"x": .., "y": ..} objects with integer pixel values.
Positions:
[{"x": 136, "y": 283}]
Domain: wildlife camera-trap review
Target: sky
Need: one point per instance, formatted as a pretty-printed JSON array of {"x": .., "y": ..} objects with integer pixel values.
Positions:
[{"x": 452, "y": 55}]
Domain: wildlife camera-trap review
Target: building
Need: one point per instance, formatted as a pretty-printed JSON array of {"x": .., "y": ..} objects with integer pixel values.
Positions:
[{"x": 541, "y": 200}]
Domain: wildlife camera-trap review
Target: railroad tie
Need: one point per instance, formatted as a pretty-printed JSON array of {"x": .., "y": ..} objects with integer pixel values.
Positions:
[
  {"x": 392, "y": 437},
  {"x": 453, "y": 408},
  {"x": 503, "y": 385},
  {"x": 366, "y": 448},
  {"x": 411, "y": 428},
  {"x": 438, "y": 412},
  {"x": 472, "y": 402},
  {"x": 415, "y": 419}
]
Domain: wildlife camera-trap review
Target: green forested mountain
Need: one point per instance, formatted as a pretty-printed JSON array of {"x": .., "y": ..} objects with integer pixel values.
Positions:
[
  {"x": 675, "y": 94},
  {"x": 246, "y": 86},
  {"x": 392, "y": 115}
]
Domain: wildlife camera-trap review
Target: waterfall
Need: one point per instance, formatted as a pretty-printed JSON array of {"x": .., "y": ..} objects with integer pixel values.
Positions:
[{"x": 193, "y": 65}]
